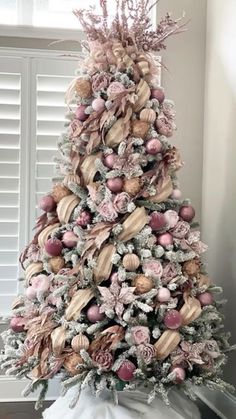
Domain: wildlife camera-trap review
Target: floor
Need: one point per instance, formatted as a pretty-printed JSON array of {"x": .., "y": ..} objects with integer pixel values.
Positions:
[{"x": 25, "y": 410}]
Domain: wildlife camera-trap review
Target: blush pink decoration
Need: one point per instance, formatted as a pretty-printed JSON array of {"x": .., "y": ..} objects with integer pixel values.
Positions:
[
  {"x": 187, "y": 213},
  {"x": 98, "y": 104},
  {"x": 94, "y": 315},
  {"x": 173, "y": 319},
  {"x": 47, "y": 203},
  {"x": 165, "y": 239},
  {"x": 157, "y": 221},
  {"x": 115, "y": 184},
  {"x": 171, "y": 218},
  {"x": 109, "y": 160},
  {"x": 163, "y": 295},
  {"x": 140, "y": 334},
  {"x": 206, "y": 299},
  {"x": 69, "y": 239},
  {"x": 115, "y": 88},
  {"x": 17, "y": 324},
  {"x": 158, "y": 94},
  {"x": 126, "y": 371},
  {"x": 176, "y": 194},
  {"x": 80, "y": 113},
  {"x": 53, "y": 247},
  {"x": 180, "y": 374},
  {"x": 84, "y": 218},
  {"x": 153, "y": 146}
]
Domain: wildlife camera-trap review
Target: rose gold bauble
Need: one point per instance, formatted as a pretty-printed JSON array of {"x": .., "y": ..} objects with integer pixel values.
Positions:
[
  {"x": 148, "y": 115},
  {"x": 131, "y": 262},
  {"x": 59, "y": 191},
  {"x": 56, "y": 264},
  {"x": 180, "y": 374},
  {"x": 143, "y": 284},
  {"x": 79, "y": 342},
  {"x": 140, "y": 128},
  {"x": 132, "y": 186},
  {"x": 83, "y": 88}
]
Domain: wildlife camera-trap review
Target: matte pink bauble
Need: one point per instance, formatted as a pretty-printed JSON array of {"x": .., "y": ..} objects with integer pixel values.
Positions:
[
  {"x": 53, "y": 247},
  {"x": 153, "y": 146},
  {"x": 69, "y": 239},
  {"x": 157, "y": 221},
  {"x": 176, "y": 194},
  {"x": 173, "y": 319},
  {"x": 80, "y": 113},
  {"x": 94, "y": 315},
  {"x": 115, "y": 184},
  {"x": 47, "y": 203},
  {"x": 126, "y": 371},
  {"x": 206, "y": 298},
  {"x": 31, "y": 293},
  {"x": 163, "y": 295},
  {"x": 40, "y": 283},
  {"x": 98, "y": 104},
  {"x": 187, "y": 213},
  {"x": 171, "y": 218},
  {"x": 17, "y": 324},
  {"x": 84, "y": 218},
  {"x": 158, "y": 94},
  {"x": 109, "y": 160},
  {"x": 180, "y": 374},
  {"x": 165, "y": 239}
]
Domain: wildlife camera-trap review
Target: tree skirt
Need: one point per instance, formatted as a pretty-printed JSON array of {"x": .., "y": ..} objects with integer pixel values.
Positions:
[{"x": 132, "y": 405}]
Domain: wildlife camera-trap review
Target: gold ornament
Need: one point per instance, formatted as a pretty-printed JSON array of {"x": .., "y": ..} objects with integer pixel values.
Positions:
[
  {"x": 71, "y": 362},
  {"x": 131, "y": 262},
  {"x": 148, "y": 115},
  {"x": 79, "y": 342},
  {"x": 58, "y": 338},
  {"x": 66, "y": 206},
  {"x": 143, "y": 284},
  {"x": 56, "y": 264},
  {"x": 59, "y": 191},
  {"x": 140, "y": 128},
  {"x": 133, "y": 224},
  {"x": 191, "y": 267},
  {"x": 167, "y": 343},
  {"x": 132, "y": 186},
  {"x": 83, "y": 88}
]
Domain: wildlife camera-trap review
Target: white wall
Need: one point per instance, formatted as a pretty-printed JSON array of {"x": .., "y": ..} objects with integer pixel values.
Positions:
[{"x": 219, "y": 174}]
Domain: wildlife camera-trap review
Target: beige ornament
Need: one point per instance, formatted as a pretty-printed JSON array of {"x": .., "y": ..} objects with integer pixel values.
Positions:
[
  {"x": 79, "y": 300},
  {"x": 203, "y": 280},
  {"x": 45, "y": 234},
  {"x": 66, "y": 206},
  {"x": 192, "y": 267},
  {"x": 32, "y": 269},
  {"x": 143, "y": 284},
  {"x": 131, "y": 262},
  {"x": 165, "y": 191},
  {"x": 88, "y": 167},
  {"x": 143, "y": 67},
  {"x": 79, "y": 342},
  {"x": 71, "y": 362},
  {"x": 133, "y": 224},
  {"x": 58, "y": 338},
  {"x": 83, "y": 88},
  {"x": 148, "y": 115},
  {"x": 104, "y": 263},
  {"x": 59, "y": 191},
  {"x": 116, "y": 133},
  {"x": 167, "y": 343},
  {"x": 132, "y": 186},
  {"x": 143, "y": 92},
  {"x": 140, "y": 128},
  {"x": 56, "y": 264}
]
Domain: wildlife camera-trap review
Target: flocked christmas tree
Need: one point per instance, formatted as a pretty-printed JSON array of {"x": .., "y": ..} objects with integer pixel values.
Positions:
[{"x": 116, "y": 295}]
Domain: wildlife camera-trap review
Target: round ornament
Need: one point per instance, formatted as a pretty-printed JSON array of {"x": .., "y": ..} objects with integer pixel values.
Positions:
[
  {"x": 206, "y": 299},
  {"x": 148, "y": 115},
  {"x": 47, "y": 203},
  {"x": 173, "y": 319},
  {"x": 171, "y": 218},
  {"x": 176, "y": 194},
  {"x": 157, "y": 221},
  {"x": 132, "y": 186},
  {"x": 53, "y": 247},
  {"x": 143, "y": 284},
  {"x": 163, "y": 295},
  {"x": 165, "y": 239},
  {"x": 140, "y": 128},
  {"x": 98, "y": 104},
  {"x": 69, "y": 239},
  {"x": 17, "y": 324},
  {"x": 31, "y": 293},
  {"x": 187, "y": 213},
  {"x": 158, "y": 94},
  {"x": 180, "y": 374},
  {"x": 83, "y": 88},
  {"x": 126, "y": 371},
  {"x": 153, "y": 146},
  {"x": 131, "y": 262},
  {"x": 94, "y": 315},
  {"x": 40, "y": 283},
  {"x": 115, "y": 184},
  {"x": 80, "y": 113},
  {"x": 79, "y": 342},
  {"x": 109, "y": 160}
]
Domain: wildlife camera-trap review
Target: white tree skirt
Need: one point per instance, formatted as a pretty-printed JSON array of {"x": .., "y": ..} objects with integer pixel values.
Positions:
[{"x": 132, "y": 405}]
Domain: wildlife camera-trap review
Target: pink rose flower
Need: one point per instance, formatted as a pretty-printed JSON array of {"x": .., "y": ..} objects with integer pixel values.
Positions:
[
  {"x": 181, "y": 230},
  {"x": 107, "y": 210},
  {"x": 164, "y": 126},
  {"x": 153, "y": 268},
  {"x": 147, "y": 352},
  {"x": 103, "y": 359},
  {"x": 100, "y": 81},
  {"x": 121, "y": 202},
  {"x": 140, "y": 334},
  {"x": 169, "y": 272}
]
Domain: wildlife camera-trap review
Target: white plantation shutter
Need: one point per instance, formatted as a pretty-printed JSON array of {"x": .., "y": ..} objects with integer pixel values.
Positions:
[{"x": 32, "y": 113}]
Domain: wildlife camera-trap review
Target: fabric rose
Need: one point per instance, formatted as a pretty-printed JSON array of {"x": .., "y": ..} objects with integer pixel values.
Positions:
[
  {"x": 164, "y": 126},
  {"x": 153, "y": 268},
  {"x": 107, "y": 210},
  {"x": 181, "y": 230},
  {"x": 169, "y": 272},
  {"x": 140, "y": 334},
  {"x": 103, "y": 359},
  {"x": 147, "y": 352},
  {"x": 121, "y": 202},
  {"x": 100, "y": 81}
]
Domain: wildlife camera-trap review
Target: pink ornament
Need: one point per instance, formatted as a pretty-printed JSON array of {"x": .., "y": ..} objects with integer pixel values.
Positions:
[
  {"x": 206, "y": 298},
  {"x": 98, "y": 104},
  {"x": 17, "y": 324},
  {"x": 47, "y": 203},
  {"x": 53, "y": 247},
  {"x": 158, "y": 94},
  {"x": 80, "y": 113},
  {"x": 109, "y": 160},
  {"x": 84, "y": 218},
  {"x": 31, "y": 293},
  {"x": 126, "y": 371},
  {"x": 173, "y": 319},
  {"x": 69, "y": 239},
  {"x": 165, "y": 239},
  {"x": 153, "y": 268},
  {"x": 115, "y": 88},
  {"x": 180, "y": 374},
  {"x": 115, "y": 184},
  {"x": 171, "y": 218},
  {"x": 94, "y": 315},
  {"x": 176, "y": 194},
  {"x": 163, "y": 295},
  {"x": 157, "y": 221},
  {"x": 40, "y": 283},
  {"x": 153, "y": 146},
  {"x": 187, "y": 213}
]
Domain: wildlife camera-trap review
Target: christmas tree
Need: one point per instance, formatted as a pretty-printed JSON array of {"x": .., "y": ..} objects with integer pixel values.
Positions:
[{"x": 116, "y": 295}]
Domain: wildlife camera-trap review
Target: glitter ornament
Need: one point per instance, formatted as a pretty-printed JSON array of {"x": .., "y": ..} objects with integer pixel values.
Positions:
[
  {"x": 163, "y": 295},
  {"x": 165, "y": 239},
  {"x": 69, "y": 239},
  {"x": 173, "y": 319},
  {"x": 176, "y": 194},
  {"x": 98, "y": 104},
  {"x": 126, "y": 371},
  {"x": 47, "y": 203},
  {"x": 84, "y": 218},
  {"x": 17, "y": 324},
  {"x": 83, "y": 88},
  {"x": 153, "y": 146},
  {"x": 94, "y": 315},
  {"x": 109, "y": 160},
  {"x": 158, "y": 94},
  {"x": 132, "y": 186},
  {"x": 148, "y": 115},
  {"x": 131, "y": 262},
  {"x": 187, "y": 213},
  {"x": 59, "y": 191},
  {"x": 53, "y": 247},
  {"x": 80, "y": 113},
  {"x": 143, "y": 284},
  {"x": 140, "y": 128},
  {"x": 157, "y": 221},
  {"x": 180, "y": 374},
  {"x": 206, "y": 299},
  {"x": 115, "y": 184}
]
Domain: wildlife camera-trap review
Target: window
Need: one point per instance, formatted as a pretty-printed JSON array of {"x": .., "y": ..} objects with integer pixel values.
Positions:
[{"x": 33, "y": 86}]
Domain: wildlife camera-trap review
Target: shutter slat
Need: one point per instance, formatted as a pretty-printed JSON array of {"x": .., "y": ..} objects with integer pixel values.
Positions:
[
  {"x": 8, "y": 287},
  {"x": 9, "y": 155},
  {"x": 7, "y": 256},
  {"x": 8, "y": 271},
  {"x": 7, "y": 214},
  {"x": 9, "y": 184},
  {"x": 9, "y": 140},
  {"x": 9, "y": 198},
  {"x": 8, "y": 228},
  {"x": 9, "y": 170},
  {"x": 9, "y": 243}
]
